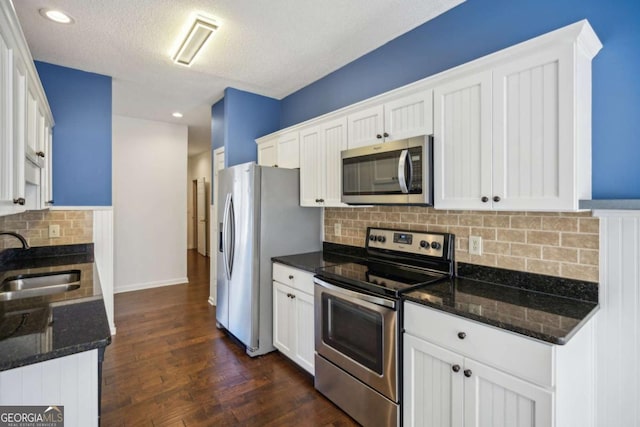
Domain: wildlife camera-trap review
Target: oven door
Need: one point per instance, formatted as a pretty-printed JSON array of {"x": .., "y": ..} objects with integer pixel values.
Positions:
[
  {"x": 398, "y": 172},
  {"x": 358, "y": 333}
]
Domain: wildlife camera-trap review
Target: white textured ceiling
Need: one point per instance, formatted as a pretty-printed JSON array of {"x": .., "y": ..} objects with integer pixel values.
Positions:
[{"x": 268, "y": 47}]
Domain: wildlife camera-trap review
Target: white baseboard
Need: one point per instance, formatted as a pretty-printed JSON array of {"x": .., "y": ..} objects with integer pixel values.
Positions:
[
  {"x": 212, "y": 301},
  {"x": 150, "y": 285}
]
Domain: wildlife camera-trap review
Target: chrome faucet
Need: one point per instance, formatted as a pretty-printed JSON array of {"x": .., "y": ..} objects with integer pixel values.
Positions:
[{"x": 18, "y": 236}]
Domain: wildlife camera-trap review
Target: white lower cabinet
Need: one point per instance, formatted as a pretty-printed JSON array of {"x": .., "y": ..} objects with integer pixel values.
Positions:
[
  {"x": 445, "y": 385},
  {"x": 293, "y": 332}
]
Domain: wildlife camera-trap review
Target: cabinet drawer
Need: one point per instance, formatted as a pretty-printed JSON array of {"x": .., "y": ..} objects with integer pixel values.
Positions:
[
  {"x": 297, "y": 279},
  {"x": 526, "y": 358}
]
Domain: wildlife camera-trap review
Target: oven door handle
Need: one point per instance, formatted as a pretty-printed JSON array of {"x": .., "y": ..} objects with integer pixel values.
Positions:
[{"x": 356, "y": 295}]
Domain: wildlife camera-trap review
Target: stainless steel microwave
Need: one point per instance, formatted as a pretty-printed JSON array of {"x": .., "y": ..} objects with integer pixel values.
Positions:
[{"x": 392, "y": 173}]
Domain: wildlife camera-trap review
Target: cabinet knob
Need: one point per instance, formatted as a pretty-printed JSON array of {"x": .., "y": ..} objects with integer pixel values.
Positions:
[
  {"x": 462, "y": 335},
  {"x": 317, "y": 200},
  {"x": 379, "y": 136},
  {"x": 292, "y": 296},
  {"x": 455, "y": 368},
  {"x": 288, "y": 295},
  {"x": 467, "y": 373},
  {"x": 19, "y": 201},
  {"x": 50, "y": 202},
  {"x": 40, "y": 154},
  {"x": 291, "y": 277},
  {"x": 321, "y": 200},
  {"x": 484, "y": 199},
  {"x": 386, "y": 135},
  {"x": 275, "y": 166},
  {"x": 496, "y": 198}
]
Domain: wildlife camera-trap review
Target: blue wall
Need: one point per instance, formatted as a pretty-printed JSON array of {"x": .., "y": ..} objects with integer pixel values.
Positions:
[
  {"x": 81, "y": 107},
  {"x": 478, "y": 27},
  {"x": 247, "y": 116}
]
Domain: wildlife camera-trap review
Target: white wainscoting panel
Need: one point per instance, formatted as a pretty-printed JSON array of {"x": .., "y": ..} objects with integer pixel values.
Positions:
[
  {"x": 618, "y": 320},
  {"x": 70, "y": 381},
  {"x": 103, "y": 254}
]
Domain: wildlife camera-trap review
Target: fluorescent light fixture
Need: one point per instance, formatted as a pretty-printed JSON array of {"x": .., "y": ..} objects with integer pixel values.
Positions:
[
  {"x": 56, "y": 16},
  {"x": 177, "y": 115},
  {"x": 198, "y": 35}
]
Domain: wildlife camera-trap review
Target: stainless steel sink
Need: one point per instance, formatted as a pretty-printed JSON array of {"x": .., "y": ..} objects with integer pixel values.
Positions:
[{"x": 33, "y": 285}]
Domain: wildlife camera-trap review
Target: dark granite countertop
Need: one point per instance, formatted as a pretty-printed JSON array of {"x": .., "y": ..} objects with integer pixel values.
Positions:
[
  {"x": 547, "y": 308},
  {"x": 331, "y": 254},
  {"x": 36, "y": 329}
]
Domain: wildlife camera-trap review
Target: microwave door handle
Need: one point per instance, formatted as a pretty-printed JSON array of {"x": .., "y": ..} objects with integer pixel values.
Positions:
[{"x": 401, "y": 169}]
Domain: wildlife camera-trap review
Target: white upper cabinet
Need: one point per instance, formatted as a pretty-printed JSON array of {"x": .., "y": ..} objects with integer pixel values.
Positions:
[
  {"x": 320, "y": 163},
  {"x": 281, "y": 150},
  {"x": 288, "y": 150},
  {"x": 405, "y": 117},
  {"x": 516, "y": 135},
  {"x": 268, "y": 152},
  {"x": 462, "y": 146},
  {"x": 25, "y": 123}
]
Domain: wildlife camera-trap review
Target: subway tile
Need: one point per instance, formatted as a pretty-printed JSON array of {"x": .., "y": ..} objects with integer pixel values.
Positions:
[
  {"x": 526, "y": 222},
  {"x": 511, "y": 263},
  {"x": 459, "y": 231},
  {"x": 511, "y": 235},
  {"x": 589, "y": 257},
  {"x": 496, "y": 221},
  {"x": 553, "y": 253},
  {"x": 485, "y": 233},
  {"x": 551, "y": 268},
  {"x": 560, "y": 224},
  {"x": 589, "y": 225},
  {"x": 543, "y": 238},
  {"x": 526, "y": 251},
  {"x": 580, "y": 272},
  {"x": 583, "y": 241},
  {"x": 496, "y": 247}
]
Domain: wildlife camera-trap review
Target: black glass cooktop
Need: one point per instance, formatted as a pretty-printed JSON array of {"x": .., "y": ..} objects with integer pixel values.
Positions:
[{"x": 380, "y": 277}]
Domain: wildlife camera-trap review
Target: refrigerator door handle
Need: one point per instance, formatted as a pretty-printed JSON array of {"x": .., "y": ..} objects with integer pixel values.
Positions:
[
  {"x": 232, "y": 242},
  {"x": 225, "y": 236}
]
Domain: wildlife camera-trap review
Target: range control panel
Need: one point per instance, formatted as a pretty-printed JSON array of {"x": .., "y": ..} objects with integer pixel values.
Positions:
[{"x": 413, "y": 242}]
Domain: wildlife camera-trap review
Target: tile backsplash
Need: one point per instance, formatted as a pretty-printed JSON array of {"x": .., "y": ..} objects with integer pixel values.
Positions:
[
  {"x": 75, "y": 227},
  {"x": 552, "y": 243}
]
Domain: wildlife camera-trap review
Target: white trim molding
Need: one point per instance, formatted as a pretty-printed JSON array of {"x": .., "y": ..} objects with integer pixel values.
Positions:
[
  {"x": 617, "y": 350},
  {"x": 149, "y": 285},
  {"x": 103, "y": 255}
]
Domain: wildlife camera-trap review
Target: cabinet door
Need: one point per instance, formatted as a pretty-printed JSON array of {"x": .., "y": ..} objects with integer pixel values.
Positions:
[
  {"x": 6, "y": 137},
  {"x": 19, "y": 124},
  {"x": 462, "y": 143},
  {"x": 46, "y": 180},
  {"x": 268, "y": 153},
  {"x": 312, "y": 167},
  {"x": 493, "y": 398},
  {"x": 289, "y": 150},
  {"x": 283, "y": 316},
  {"x": 433, "y": 391},
  {"x": 31, "y": 145},
  {"x": 304, "y": 331},
  {"x": 532, "y": 170},
  {"x": 366, "y": 127},
  {"x": 334, "y": 141},
  {"x": 409, "y": 116}
]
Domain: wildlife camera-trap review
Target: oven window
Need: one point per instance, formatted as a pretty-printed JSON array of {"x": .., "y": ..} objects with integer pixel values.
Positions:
[
  {"x": 354, "y": 331},
  {"x": 376, "y": 174}
]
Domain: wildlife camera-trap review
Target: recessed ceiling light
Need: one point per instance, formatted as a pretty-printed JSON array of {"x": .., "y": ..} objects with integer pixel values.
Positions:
[
  {"x": 57, "y": 16},
  {"x": 177, "y": 115},
  {"x": 200, "y": 31}
]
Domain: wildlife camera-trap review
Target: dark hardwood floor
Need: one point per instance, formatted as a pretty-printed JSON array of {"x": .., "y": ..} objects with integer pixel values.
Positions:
[{"x": 169, "y": 365}]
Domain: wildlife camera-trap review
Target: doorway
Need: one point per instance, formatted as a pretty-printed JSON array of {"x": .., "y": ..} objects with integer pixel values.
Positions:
[{"x": 199, "y": 218}]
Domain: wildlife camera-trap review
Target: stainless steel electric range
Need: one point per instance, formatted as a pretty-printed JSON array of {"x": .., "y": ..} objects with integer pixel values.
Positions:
[{"x": 358, "y": 320}]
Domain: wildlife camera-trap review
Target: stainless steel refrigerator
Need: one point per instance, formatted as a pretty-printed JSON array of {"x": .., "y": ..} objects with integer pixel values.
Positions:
[{"x": 260, "y": 214}]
